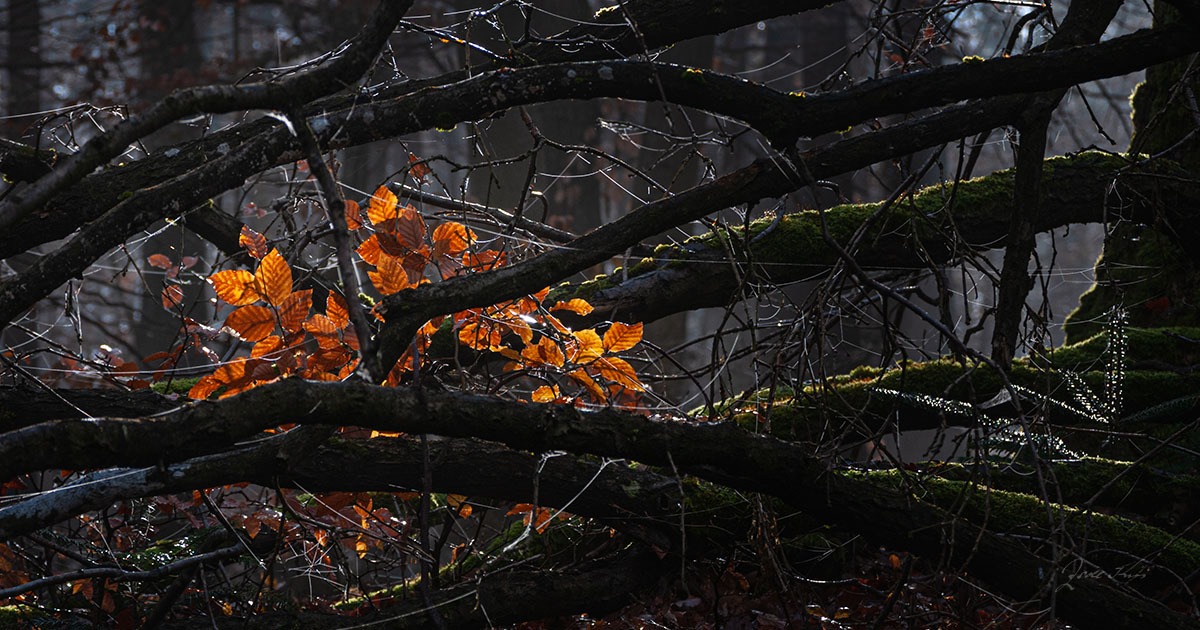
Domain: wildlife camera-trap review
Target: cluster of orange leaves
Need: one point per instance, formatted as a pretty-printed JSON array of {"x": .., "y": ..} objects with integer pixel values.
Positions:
[
  {"x": 279, "y": 327},
  {"x": 401, "y": 250}
]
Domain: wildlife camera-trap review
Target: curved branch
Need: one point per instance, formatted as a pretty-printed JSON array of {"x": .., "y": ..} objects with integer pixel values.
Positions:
[
  {"x": 469, "y": 100},
  {"x": 1075, "y": 189},
  {"x": 639, "y": 502},
  {"x": 722, "y": 453}
]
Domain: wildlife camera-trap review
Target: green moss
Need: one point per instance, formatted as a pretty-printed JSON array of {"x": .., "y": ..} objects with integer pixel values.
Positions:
[
  {"x": 125, "y": 195},
  {"x": 972, "y": 59},
  {"x": 1020, "y": 513},
  {"x": 19, "y": 616},
  {"x": 176, "y": 386},
  {"x": 804, "y": 414},
  {"x": 798, "y": 95},
  {"x": 591, "y": 287},
  {"x": 1143, "y": 268},
  {"x": 607, "y": 11},
  {"x": 644, "y": 265},
  {"x": 1168, "y": 344},
  {"x": 694, "y": 75}
]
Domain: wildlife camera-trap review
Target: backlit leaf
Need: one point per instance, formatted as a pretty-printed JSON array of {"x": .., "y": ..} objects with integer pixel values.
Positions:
[
  {"x": 235, "y": 286},
  {"x": 410, "y": 228},
  {"x": 160, "y": 261},
  {"x": 231, "y": 376},
  {"x": 451, "y": 238},
  {"x": 575, "y": 305},
  {"x": 588, "y": 346},
  {"x": 391, "y": 245},
  {"x": 590, "y": 385},
  {"x": 620, "y": 336},
  {"x": 323, "y": 330},
  {"x": 203, "y": 388},
  {"x": 484, "y": 261},
  {"x": 273, "y": 280},
  {"x": 369, "y": 250},
  {"x": 251, "y": 323},
  {"x": 485, "y": 337},
  {"x": 521, "y": 328},
  {"x": 545, "y": 394},
  {"x": 414, "y": 263},
  {"x": 390, "y": 277},
  {"x": 336, "y": 311},
  {"x": 418, "y": 169},
  {"x": 172, "y": 296},
  {"x": 294, "y": 310},
  {"x": 619, "y": 371},
  {"x": 544, "y": 352},
  {"x": 382, "y": 207},
  {"x": 353, "y": 215},
  {"x": 254, "y": 242},
  {"x": 267, "y": 346}
]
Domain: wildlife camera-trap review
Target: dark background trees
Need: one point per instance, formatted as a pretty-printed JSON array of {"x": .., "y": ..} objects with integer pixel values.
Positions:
[{"x": 623, "y": 295}]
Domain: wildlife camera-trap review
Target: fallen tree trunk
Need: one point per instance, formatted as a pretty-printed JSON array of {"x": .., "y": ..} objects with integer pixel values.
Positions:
[{"x": 722, "y": 453}]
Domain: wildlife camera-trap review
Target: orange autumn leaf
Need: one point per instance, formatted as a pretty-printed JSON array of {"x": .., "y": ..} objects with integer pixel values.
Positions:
[
  {"x": 160, "y": 261},
  {"x": 521, "y": 328},
  {"x": 588, "y": 346},
  {"x": 336, "y": 311},
  {"x": 294, "y": 310},
  {"x": 479, "y": 337},
  {"x": 323, "y": 330},
  {"x": 530, "y": 303},
  {"x": 544, "y": 352},
  {"x": 545, "y": 394},
  {"x": 267, "y": 346},
  {"x": 451, "y": 238},
  {"x": 593, "y": 388},
  {"x": 621, "y": 337},
  {"x": 254, "y": 242},
  {"x": 172, "y": 296},
  {"x": 520, "y": 508},
  {"x": 251, "y": 323},
  {"x": 543, "y": 520},
  {"x": 417, "y": 168},
  {"x": 370, "y": 250},
  {"x": 382, "y": 207},
  {"x": 273, "y": 280},
  {"x": 484, "y": 261},
  {"x": 619, "y": 371},
  {"x": 390, "y": 277},
  {"x": 431, "y": 327},
  {"x": 353, "y": 215},
  {"x": 391, "y": 245},
  {"x": 350, "y": 337},
  {"x": 575, "y": 305},
  {"x": 225, "y": 376},
  {"x": 235, "y": 286},
  {"x": 409, "y": 228},
  {"x": 414, "y": 263}
]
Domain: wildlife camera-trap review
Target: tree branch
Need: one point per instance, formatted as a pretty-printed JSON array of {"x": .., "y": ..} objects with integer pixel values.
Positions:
[{"x": 325, "y": 78}]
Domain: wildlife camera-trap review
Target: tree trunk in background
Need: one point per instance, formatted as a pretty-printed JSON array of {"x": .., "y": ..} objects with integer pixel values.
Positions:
[
  {"x": 23, "y": 63},
  {"x": 1143, "y": 268},
  {"x": 171, "y": 57}
]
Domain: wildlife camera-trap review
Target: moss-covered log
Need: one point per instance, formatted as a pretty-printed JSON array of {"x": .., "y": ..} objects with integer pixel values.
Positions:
[
  {"x": 1158, "y": 369},
  {"x": 943, "y": 219},
  {"x": 1125, "y": 551}
]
